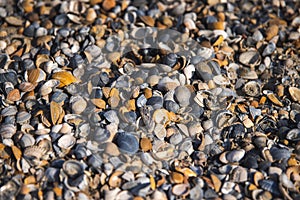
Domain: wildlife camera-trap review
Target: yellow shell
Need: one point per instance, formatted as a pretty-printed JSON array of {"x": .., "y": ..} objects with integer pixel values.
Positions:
[{"x": 65, "y": 78}]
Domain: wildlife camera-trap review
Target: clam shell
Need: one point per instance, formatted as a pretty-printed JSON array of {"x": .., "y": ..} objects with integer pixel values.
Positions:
[
  {"x": 27, "y": 140},
  {"x": 23, "y": 116},
  {"x": 34, "y": 152},
  {"x": 73, "y": 168},
  {"x": 127, "y": 142},
  {"x": 9, "y": 111},
  {"x": 66, "y": 141},
  {"x": 7, "y": 131}
]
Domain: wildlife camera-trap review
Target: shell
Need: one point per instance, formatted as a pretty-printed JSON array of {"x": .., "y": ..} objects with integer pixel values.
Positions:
[
  {"x": 7, "y": 130},
  {"x": 249, "y": 58},
  {"x": 66, "y": 141},
  {"x": 127, "y": 142},
  {"x": 180, "y": 189},
  {"x": 65, "y": 78},
  {"x": 295, "y": 93},
  {"x": 252, "y": 88},
  {"x": 73, "y": 168},
  {"x": 34, "y": 152}
]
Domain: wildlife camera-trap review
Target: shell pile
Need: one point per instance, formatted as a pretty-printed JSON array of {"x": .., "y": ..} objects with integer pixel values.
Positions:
[{"x": 137, "y": 99}]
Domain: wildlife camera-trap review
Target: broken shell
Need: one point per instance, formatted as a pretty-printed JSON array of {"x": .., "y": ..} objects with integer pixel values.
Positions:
[
  {"x": 295, "y": 93},
  {"x": 250, "y": 58},
  {"x": 115, "y": 179},
  {"x": 252, "y": 88}
]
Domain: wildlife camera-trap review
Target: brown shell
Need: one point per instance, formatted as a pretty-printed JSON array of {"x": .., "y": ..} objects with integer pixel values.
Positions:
[
  {"x": 65, "y": 78},
  {"x": 55, "y": 111}
]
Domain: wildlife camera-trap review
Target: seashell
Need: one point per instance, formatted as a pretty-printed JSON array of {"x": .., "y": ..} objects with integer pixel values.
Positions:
[
  {"x": 91, "y": 15},
  {"x": 235, "y": 155},
  {"x": 48, "y": 87},
  {"x": 221, "y": 80},
  {"x": 66, "y": 141},
  {"x": 170, "y": 59},
  {"x": 115, "y": 179},
  {"x": 295, "y": 93},
  {"x": 280, "y": 153},
  {"x": 222, "y": 118},
  {"x": 26, "y": 86},
  {"x": 216, "y": 26},
  {"x": 270, "y": 48},
  {"x": 146, "y": 144},
  {"x": 252, "y": 88},
  {"x": 65, "y": 78},
  {"x": 227, "y": 187},
  {"x": 216, "y": 182},
  {"x": 108, "y": 4},
  {"x": 14, "y": 95},
  {"x": 293, "y": 135},
  {"x": 160, "y": 131},
  {"x": 156, "y": 102},
  {"x": 148, "y": 20},
  {"x": 16, "y": 152},
  {"x": 239, "y": 175},
  {"x": 250, "y": 58},
  {"x": 271, "y": 32},
  {"x": 270, "y": 186},
  {"x": 176, "y": 138},
  {"x": 271, "y": 96},
  {"x": 180, "y": 189},
  {"x": 73, "y": 168},
  {"x": 100, "y": 135},
  {"x": 127, "y": 142},
  {"x": 95, "y": 161},
  {"x": 177, "y": 177},
  {"x": 167, "y": 84},
  {"x": 163, "y": 151},
  {"x": 55, "y": 111},
  {"x": 161, "y": 116},
  {"x": 35, "y": 75},
  {"x": 34, "y": 152},
  {"x": 182, "y": 95},
  {"x": 78, "y": 104},
  {"x": 14, "y": 20},
  {"x": 23, "y": 117},
  {"x": 27, "y": 140},
  {"x": 7, "y": 131},
  {"x": 9, "y": 76},
  {"x": 52, "y": 174},
  {"x": 9, "y": 111}
]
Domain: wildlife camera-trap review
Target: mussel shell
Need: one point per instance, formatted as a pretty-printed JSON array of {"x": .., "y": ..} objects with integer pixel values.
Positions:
[{"x": 127, "y": 142}]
